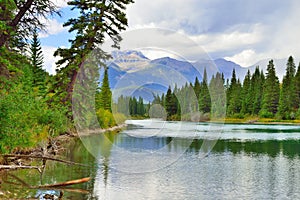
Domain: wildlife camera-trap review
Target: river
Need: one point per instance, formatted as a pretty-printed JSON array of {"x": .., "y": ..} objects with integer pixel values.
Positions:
[{"x": 154, "y": 159}]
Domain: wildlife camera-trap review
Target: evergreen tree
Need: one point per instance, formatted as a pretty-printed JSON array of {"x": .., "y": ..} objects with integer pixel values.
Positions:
[
  {"x": 133, "y": 106},
  {"x": 218, "y": 96},
  {"x": 19, "y": 18},
  {"x": 288, "y": 94},
  {"x": 297, "y": 86},
  {"x": 204, "y": 96},
  {"x": 197, "y": 87},
  {"x": 171, "y": 104},
  {"x": 36, "y": 57},
  {"x": 246, "y": 91},
  {"x": 96, "y": 21},
  {"x": 271, "y": 92},
  {"x": 140, "y": 107},
  {"x": 256, "y": 88},
  {"x": 234, "y": 95},
  {"x": 105, "y": 93}
]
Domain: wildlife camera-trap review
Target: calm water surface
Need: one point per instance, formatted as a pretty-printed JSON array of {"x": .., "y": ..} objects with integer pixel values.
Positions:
[{"x": 172, "y": 160}]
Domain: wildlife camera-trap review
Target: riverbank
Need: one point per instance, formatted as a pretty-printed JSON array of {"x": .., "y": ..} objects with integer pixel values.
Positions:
[
  {"x": 55, "y": 146},
  {"x": 256, "y": 120}
]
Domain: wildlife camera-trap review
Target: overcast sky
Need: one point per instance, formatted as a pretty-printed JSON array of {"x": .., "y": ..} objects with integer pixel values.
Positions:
[{"x": 243, "y": 31}]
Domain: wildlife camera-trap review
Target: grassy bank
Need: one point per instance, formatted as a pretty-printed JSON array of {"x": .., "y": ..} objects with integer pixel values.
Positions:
[{"x": 255, "y": 120}]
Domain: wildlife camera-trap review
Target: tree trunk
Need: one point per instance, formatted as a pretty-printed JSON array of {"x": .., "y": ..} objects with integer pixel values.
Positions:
[{"x": 13, "y": 24}]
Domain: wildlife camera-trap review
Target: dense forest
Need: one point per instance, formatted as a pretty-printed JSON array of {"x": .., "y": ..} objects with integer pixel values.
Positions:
[
  {"x": 259, "y": 95},
  {"x": 34, "y": 105}
]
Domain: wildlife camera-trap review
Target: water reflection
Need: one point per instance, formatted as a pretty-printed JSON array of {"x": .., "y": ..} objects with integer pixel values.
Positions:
[{"x": 236, "y": 168}]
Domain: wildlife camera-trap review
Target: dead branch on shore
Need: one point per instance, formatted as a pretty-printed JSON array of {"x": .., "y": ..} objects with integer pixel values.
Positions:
[
  {"x": 43, "y": 158},
  {"x": 19, "y": 167}
]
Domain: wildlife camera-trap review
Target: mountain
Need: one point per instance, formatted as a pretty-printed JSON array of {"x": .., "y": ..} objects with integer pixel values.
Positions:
[{"x": 132, "y": 73}]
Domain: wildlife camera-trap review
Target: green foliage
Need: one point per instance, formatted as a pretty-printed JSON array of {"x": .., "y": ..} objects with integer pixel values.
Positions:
[
  {"x": 105, "y": 118},
  {"x": 288, "y": 96},
  {"x": 271, "y": 91},
  {"x": 204, "y": 96},
  {"x": 19, "y": 18},
  {"x": 172, "y": 105},
  {"x": 25, "y": 118},
  {"x": 96, "y": 21},
  {"x": 234, "y": 100},
  {"x": 105, "y": 93}
]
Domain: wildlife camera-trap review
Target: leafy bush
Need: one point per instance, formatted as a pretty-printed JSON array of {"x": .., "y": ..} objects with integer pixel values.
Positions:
[
  {"x": 26, "y": 120},
  {"x": 105, "y": 118},
  {"x": 25, "y": 117},
  {"x": 266, "y": 114}
]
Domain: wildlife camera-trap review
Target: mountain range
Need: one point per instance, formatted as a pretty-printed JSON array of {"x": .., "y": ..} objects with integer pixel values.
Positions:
[{"x": 133, "y": 74}]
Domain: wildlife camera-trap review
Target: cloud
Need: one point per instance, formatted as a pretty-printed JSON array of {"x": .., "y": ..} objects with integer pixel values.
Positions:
[
  {"x": 49, "y": 59},
  {"x": 245, "y": 58},
  {"x": 53, "y": 27},
  {"x": 60, "y": 3},
  {"x": 238, "y": 30}
]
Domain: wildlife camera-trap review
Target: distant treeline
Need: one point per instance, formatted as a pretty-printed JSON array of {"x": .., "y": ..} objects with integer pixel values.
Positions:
[{"x": 260, "y": 95}]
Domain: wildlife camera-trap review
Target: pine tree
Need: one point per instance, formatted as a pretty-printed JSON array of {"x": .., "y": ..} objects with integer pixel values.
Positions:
[
  {"x": 140, "y": 107},
  {"x": 256, "y": 88},
  {"x": 288, "y": 95},
  {"x": 234, "y": 95},
  {"x": 96, "y": 21},
  {"x": 37, "y": 60},
  {"x": 204, "y": 96},
  {"x": 20, "y": 18},
  {"x": 171, "y": 104},
  {"x": 297, "y": 86},
  {"x": 246, "y": 98},
  {"x": 197, "y": 87},
  {"x": 271, "y": 92},
  {"x": 105, "y": 93},
  {"x": 218, "y": 96}
]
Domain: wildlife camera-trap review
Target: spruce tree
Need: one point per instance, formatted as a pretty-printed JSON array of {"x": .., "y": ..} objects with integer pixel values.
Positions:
[
  {"x": 234, "y": 95},
  {"x": 218, "y": 96},
  {"x": 271, "y": 92},
  {"x": 288, "y": 94},
  {"x": 96, "y": 21},
  {"x": 105, "y": 93},
  {"x": 256, "y": 88},
  {"x": 37, "y": 60},
  {"x": 197, "y": 87},
  {"x": 204, "y": 96},
  {"x": 297, "y": 86},
  {"x": 246, "y": 91},
  {"x": 172, "y": 105}
]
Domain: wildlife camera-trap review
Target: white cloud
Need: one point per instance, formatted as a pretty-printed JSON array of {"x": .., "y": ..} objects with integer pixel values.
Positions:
[
  {"x": 60, "y": 3},
  {"x": 228, "y": 40},
  {"x": 49, "y": 59},
  {"x": 53, "y": 27},
  {"x": 234, "y": 29},
  {"x": 245, "y": 58}
]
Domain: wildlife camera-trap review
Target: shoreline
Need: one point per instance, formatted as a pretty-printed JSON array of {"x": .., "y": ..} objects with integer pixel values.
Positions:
[
  {"x": 117, "y": 128},
  {"x": 54, "y": 147}
]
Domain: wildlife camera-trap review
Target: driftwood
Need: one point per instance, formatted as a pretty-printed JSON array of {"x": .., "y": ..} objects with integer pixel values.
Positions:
[
  {"x": 63, "y": 184},
  {"x": 43, "y": 158},
  {"x": 18, "y": 167}
]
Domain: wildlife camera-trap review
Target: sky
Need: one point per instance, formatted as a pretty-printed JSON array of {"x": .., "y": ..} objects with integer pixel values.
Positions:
[{"x": 242, "y": 31}]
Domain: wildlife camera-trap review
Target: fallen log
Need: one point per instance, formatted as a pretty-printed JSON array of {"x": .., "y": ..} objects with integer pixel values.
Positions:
[
  {"x": 43, "y": 158},
  {"x": 67, "y": 183},
  {"x": 18, "y": 167}
]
